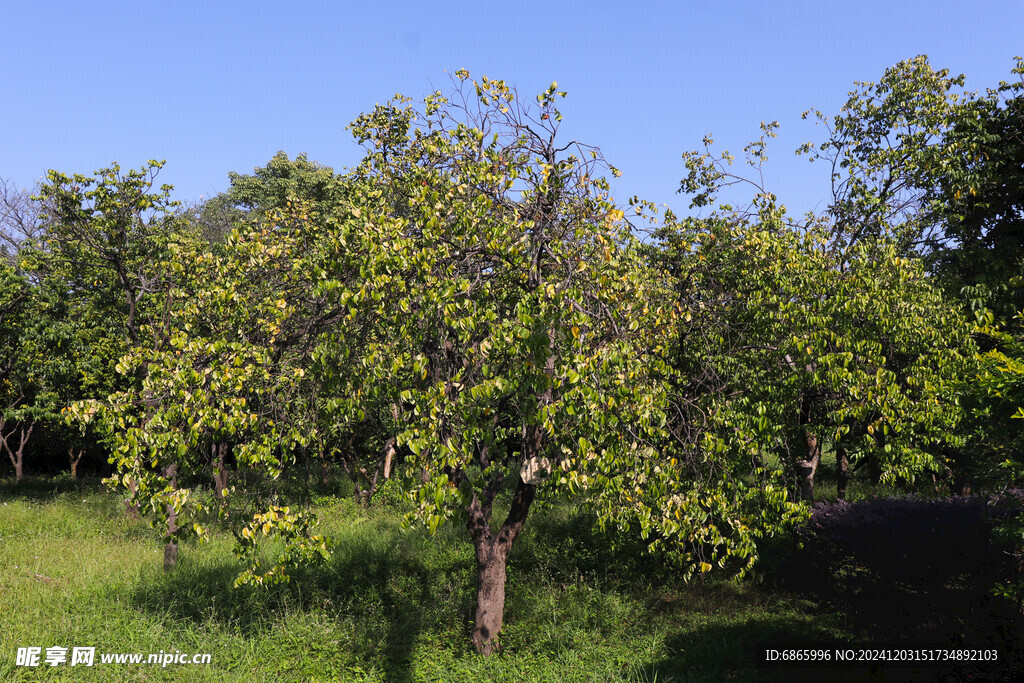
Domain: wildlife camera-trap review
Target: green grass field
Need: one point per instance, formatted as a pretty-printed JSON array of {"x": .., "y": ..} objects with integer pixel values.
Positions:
[{"x": 390, "y": 605}]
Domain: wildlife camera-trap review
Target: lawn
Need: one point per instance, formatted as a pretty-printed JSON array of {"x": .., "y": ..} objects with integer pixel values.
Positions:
[{"x": 395, "y": 605}]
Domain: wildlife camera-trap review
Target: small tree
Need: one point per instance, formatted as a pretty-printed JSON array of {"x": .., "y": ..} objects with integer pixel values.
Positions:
[
  {"x": 230, "y": 371},
  {"x": 16, "y": 424},
  {"x": 106, "y": 249},
  {"x": 855, "y": 350}
]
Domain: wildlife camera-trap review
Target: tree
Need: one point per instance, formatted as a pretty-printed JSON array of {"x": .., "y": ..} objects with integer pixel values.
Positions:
[
  {"x": 302, "y": 196},
  {"x": 20, "y": 220},
  {"x": 107, "y": 250},
  {"x": 812, "y": 347},
  {"x": 233, "y": 369},
  {"x": 40, "y": 369},
  {"x": 979, "y": 199},
  {"x": 16, "y": 423},
  {"x": 886, "y": 145},
  {"x": 107, "y": 241},
  {"x": 267, "y": 188},
  {"x": 526, "y": 351},
  {"x": 228, "y": 373},
  {"x": 42, "y": 356},
  {"x": 271, "y": 186},
  {"x": 885, "y": 150},
  {"x": 477, "y": 293}
]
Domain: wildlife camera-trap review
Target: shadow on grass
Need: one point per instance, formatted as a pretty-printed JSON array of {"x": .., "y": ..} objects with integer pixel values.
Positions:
[
  {"x": 387, "y": 598},
  {"x": 908, "y": 571},
  {"x": 49, "y": 489},
  {"x": 380, "y": 593},
  {"x": 565, "y": 545},
  {"x": 735, "y": 651}
]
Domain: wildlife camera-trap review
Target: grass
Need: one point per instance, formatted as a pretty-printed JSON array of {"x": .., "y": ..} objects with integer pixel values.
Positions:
[{"x": 389, "y": 605}]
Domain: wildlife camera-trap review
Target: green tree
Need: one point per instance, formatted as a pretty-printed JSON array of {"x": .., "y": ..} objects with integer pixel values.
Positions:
[
  {"x": 803, "y": 347},
  {"x": 16, "y": 421},
  {"x": 267, "y": 188},
  {"x": 479, "y": 294},
  {"x": 884, "y": 147},
  {"x": 234, "y": 370},
  {"x": 890, "y": 144},
  {"x": 106, "y": 240},
  {"x": 41, "y": 367},
  {"x": 979, "y": 199},
  {"x": 106, "y": 252},
  {"x": 228, "y": 374},
  {"x": 526, "y": 356},
  {"x": 271, "y": 186},
  {"x": 262, "y": 199}
]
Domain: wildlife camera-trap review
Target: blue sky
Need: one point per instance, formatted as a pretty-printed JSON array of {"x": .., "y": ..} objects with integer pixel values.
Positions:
[{"x": 214, "y": 87}]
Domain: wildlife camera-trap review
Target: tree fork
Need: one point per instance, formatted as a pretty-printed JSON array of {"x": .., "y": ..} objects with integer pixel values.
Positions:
[{"x": 492, "y": 551}]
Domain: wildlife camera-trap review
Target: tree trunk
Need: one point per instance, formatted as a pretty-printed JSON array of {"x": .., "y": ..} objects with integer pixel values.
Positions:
[
  {"x": 171, "y": 547},
  {"x": 875, "y": 471},
  {"x": 220, "y": 474},
  {"x": 491, "y": 557},
  {"x": 806, "y": 467},
  {"x": 17, "y": 456},
  {"x": 492, "y": 552},
  {"x": 960, "y": 483},
  {"x": 74, "y": 459},
  {"x": 130, "y": 508},
  {"x": 842, "y": 472}
]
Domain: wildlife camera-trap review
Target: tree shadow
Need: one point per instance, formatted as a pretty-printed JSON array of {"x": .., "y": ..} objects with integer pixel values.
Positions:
[
  {"x": 382, "y": 588},
  {"x": 566, "y": 544},
  {"x": 48, "y": 489},
  {"x": 736, "y": 651},
  {"x": 907, "y": 571}
]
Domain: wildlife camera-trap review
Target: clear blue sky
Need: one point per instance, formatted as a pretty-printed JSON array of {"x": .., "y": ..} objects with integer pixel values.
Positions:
[{"x": 216, "y": 86}]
